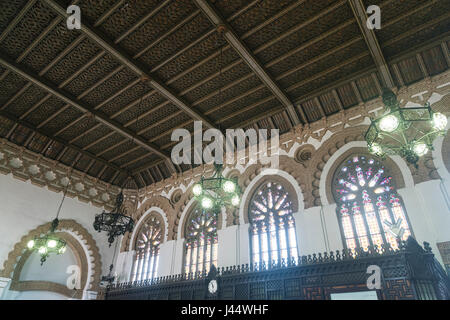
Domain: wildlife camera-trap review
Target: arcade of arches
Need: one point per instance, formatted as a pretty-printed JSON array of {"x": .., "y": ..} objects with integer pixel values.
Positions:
[
  {"x": 338, "y": 197},
  {"x": 89, "y": 112}
]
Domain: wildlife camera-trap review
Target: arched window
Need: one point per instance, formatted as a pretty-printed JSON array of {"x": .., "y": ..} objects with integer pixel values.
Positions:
[
  {"x": 201, "y": 241},
  {"x": 272, "y": 230},
  {"x": 147, "y": 250},
  {"x": 367, "y": 203}
]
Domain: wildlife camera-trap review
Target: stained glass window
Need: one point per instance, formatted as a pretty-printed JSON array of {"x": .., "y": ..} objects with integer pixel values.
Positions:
[
  {"x": 272, "y": 230},
  {"x": 369, "y": 209},
  {"x": 201, "y": 241},
  {"x": 147, "y": 250}
]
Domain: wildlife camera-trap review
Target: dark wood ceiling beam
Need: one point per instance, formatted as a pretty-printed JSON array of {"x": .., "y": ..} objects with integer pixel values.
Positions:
[
  {"x": 4, "y": 74},
  {"x": 61, "y": 153},
  {"x": 16, "y": 19},
  {"x": 81, "y": 135},
  {"x": 320, "y": 107},
  {"x": 167, "y": 132},
  {"x": 111, "y": 147},
  {"x": 47, "y": 147},
  {"x": 183, "y": 50},
  {"x": 68, "y": 49},
  {"x": 377, "y": 84},
  {"x": 89, "y": 166},
  {"x": 332, "y": 86},
  {"x": 108, "y": 13},
  {"x": 28, "y": 49},
  {"x": 62, "y": 54},
  {"x": 245, "y": 109},
  {"x": 158, "y": 170},
  {"x": 100, "y": 82},
  {"x": 446, "y": 53},
  {"x": 232, "y": 38},
  {"x": 337, "y": 100},
  {"x": 257, "y": 88},
  {"x": 30, "y": 137},
  {"x": 327, "y": 71},
  {"x": 128, "y": 163},
  {"x": 70, "y": 124},
  {"x": 133, "y": 103},
  {"x": 35, "y": 106},
  {"x": 273, "y": 62},
  {"x": 304, "y": 65},
  {"x": 141, "y": 179},
  {"x": 147, "y": 113},
  {"x": 85, "y": 66},
  {"x": 75, "y": 160},
  {"x": 142, "y": 21},
  {"x": 146, "y": 166},
  {"x": 150, "y": 175},
  {"x": 252, "y": 31},
  {"x": 10, "y": 132},
  {"x": 15, "y": 96},
  {"x": 31, "y": 127},
  {"x": 120, "y": 55},
  {"x": 78, "y": 105},
  {"x": 168, "y": 33},
  {"x": 53, "y": 116},
  {"x": 38, "y": 39},
  {"x": 93, "y": 143},
  {"x": 117, "y": 93},
  {"x": 359, "y": 12},
  {"x": 247, "y": 34},
  {"x": 123, "y": 154},
  {"x": 267, "y": 99},
  {"x": 277, "y": 60},
  {"x": 159, "y": 122},
  {"x": 102, "y": 104},
  {"x": 115, "y": 175},
  {"x": 98, "y": 176}
]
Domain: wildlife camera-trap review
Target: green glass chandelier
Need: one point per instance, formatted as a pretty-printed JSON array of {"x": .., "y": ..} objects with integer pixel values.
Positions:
[
  {"x": 217, "y": 191},
  {"x": 405, "y": 131},
  {"x": 48, "y": 243}
]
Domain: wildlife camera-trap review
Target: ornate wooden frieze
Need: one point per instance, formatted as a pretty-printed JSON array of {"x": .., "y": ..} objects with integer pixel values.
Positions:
[
  {"x": 434, "y": 88},
  {"x": 26, "y": 165}
]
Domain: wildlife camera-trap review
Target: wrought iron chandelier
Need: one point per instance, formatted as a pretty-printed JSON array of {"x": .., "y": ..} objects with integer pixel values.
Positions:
[
  {"x": 116, "y": 222},
  {"x": 50, "y": 242},
  {"x": 405, "y": 131},
  {"x": 216, "y": 191},
  {"x": 47, "y": 244}
]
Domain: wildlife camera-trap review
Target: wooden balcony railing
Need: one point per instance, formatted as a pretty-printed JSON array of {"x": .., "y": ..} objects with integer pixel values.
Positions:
[{"x": 409, "y": 272}]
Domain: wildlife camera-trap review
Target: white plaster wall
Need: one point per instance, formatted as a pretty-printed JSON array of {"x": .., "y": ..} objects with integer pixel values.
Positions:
[
  {"x": 26, "y": 206},
  {"x": 228, "y": 246},
  {"x": 37, "y": 295},
  {"x": 166, "y": 255},
  {"x": 54, "y": 269}
]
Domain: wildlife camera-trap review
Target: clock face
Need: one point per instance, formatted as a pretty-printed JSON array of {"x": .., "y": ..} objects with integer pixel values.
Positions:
[{"x": 212, "y": 286}]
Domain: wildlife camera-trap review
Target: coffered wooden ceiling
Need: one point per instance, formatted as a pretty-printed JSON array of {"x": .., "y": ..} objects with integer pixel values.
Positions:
[{"x": 77, "y": 96}]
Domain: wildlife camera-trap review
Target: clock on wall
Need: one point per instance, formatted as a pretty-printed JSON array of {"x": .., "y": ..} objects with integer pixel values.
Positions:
[
  {"x": 212, "y": 286},
  {"x": 212, "y": 283}
]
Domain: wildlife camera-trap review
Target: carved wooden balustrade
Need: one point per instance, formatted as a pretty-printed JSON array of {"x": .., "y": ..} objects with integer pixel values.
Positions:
[{"x": 409, "y": 272}]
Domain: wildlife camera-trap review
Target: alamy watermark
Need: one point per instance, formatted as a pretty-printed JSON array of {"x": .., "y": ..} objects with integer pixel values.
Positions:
[
  {"x": 74, "y": 280},
  {"x": 74, "y": 20},
  {"x": 228, "y": 149},
  {"x": 374, "y": 19},
  {"x": 374, "y": 280}
]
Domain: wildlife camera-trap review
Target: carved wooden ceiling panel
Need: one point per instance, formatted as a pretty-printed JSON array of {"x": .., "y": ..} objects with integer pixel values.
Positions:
[{"x": 77, "y": 96}]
